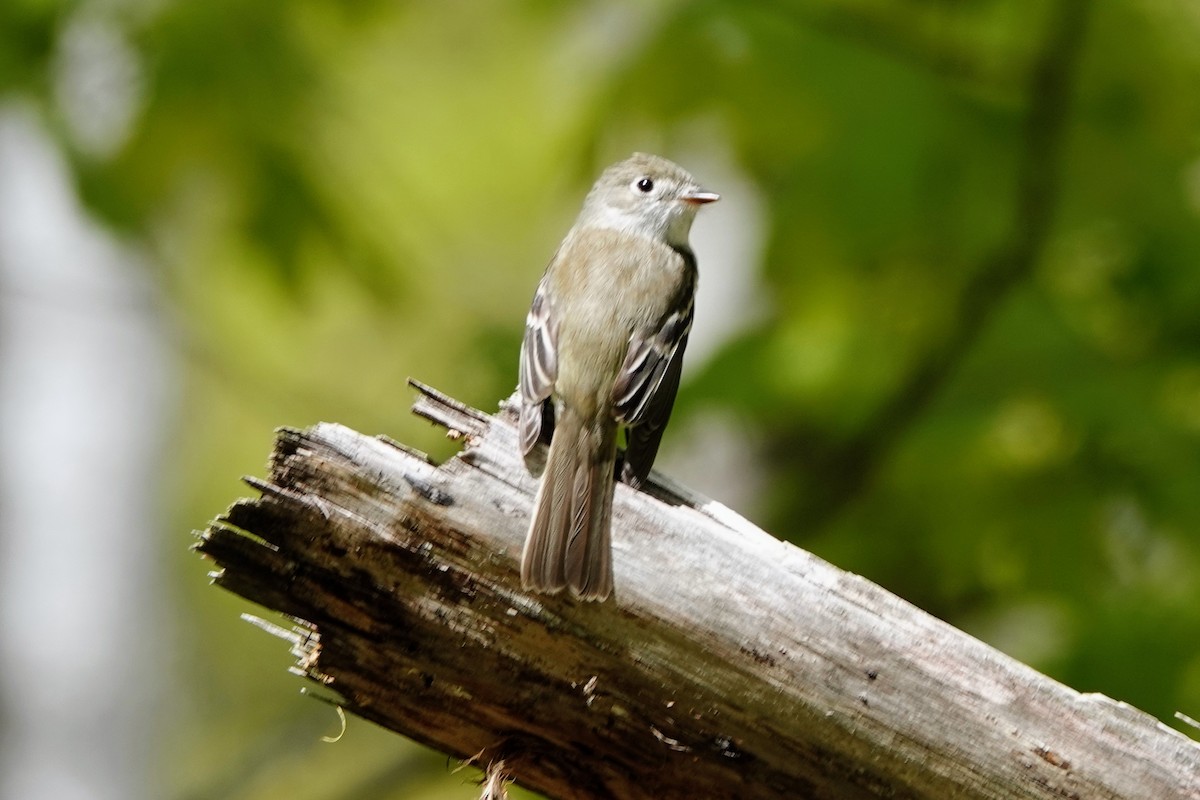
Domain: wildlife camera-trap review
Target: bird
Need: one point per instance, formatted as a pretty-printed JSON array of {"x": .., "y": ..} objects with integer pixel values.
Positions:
[{"x": 602, "y": 352}]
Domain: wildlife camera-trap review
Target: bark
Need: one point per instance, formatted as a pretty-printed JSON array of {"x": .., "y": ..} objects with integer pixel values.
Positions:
[{"x": 728, "y": 663}]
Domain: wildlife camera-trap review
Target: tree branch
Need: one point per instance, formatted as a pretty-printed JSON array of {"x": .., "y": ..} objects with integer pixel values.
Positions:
[
  {"x": 849, "y": 466},
  {"x": 729, "y": 664}
]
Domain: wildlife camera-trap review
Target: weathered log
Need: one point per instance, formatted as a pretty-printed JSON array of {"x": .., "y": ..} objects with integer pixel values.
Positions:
[{"x": 728, "y": 664}]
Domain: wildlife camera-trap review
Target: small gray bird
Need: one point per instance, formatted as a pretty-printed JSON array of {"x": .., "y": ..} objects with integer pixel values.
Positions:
[{"x": 603, "y": 348}]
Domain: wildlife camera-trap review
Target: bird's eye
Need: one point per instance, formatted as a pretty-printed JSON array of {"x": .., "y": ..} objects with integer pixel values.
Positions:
[{"x": 645, "y": 185}]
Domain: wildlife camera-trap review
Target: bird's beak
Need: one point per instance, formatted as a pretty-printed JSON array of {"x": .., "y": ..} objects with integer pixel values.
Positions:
[{"x": 699, "y": 197}]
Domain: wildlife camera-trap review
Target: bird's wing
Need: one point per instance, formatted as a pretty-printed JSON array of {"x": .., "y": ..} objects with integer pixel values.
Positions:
[
  {"x": 539, "y": 367},
  {"x": 646, "y": 386}
]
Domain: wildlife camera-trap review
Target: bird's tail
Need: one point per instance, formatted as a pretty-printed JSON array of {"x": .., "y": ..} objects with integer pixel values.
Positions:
[{"x": 569, "y": 541}]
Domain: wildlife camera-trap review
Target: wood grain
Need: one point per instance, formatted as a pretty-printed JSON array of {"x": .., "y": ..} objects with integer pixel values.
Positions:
[{"x": 728, "y": 664}]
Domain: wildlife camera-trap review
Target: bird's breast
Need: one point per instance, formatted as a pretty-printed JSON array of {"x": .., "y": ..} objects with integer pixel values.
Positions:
[{"x": 606, "y": 284}]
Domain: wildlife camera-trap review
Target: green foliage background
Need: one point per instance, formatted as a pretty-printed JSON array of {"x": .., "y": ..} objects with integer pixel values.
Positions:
[{"x": 976, "y": 380}]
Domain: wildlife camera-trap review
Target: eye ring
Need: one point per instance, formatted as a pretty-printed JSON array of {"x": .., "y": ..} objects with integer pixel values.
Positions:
[{"x": 644, "y": 185}]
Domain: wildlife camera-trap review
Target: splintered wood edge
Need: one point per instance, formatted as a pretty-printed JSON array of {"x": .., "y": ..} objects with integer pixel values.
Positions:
[
  {"x": 412, "y": 452},
  {"x": 453, "y": 415}
]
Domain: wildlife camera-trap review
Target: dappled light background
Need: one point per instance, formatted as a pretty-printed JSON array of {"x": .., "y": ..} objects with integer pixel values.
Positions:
[{"x": 948, "y": 334}]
